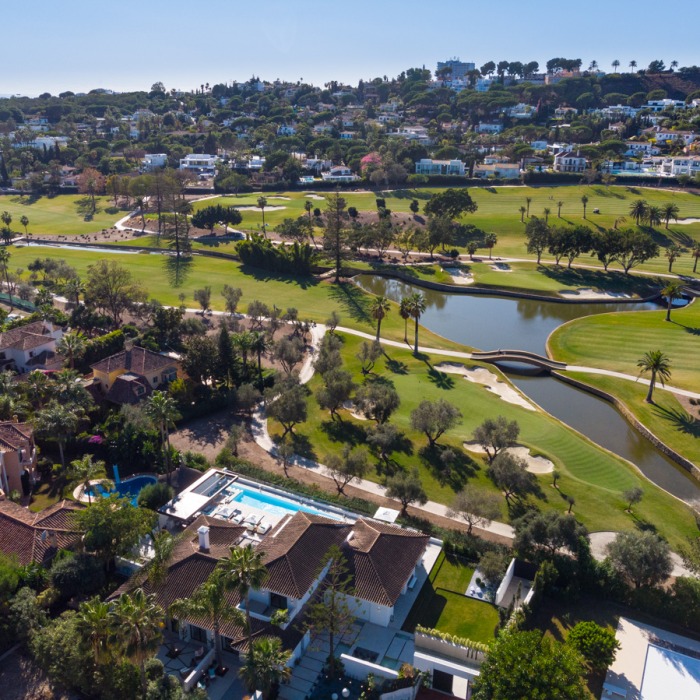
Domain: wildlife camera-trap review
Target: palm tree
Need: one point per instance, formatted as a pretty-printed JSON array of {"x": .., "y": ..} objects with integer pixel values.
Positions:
[
  {"x": 416, "y": 308},
  {"x": 266, "y": 666},
  {"x": 162, "y": 410},
  {"x": 243, "y": 342},
  {"x": 58, "y": 422},
  {"x": 674, "y": 65},
  {"x": 379, "y": 308},
  {"x": 547, "y": 212},
  {"x": 659, "y": 365},
  {"x": 633, "y": 64},
  {"x": 490, "y": 240},
  {"x": 72, "y": 345},
  {"x": 672, "y": 291},
  {"x": 156, "y": 570},
  {"x": 260, "y": 344},
  {"x": 94, "y": 623},
  {"x": 593, "y": 65},
  {"x": 24, "y": 220},
  {"x": 654, "y": 215},
  {"x": 560, "y": 204},
  {"x": 670, "y": 211},
  {"x": 84, "y": 470},
  {"x": 210, "y": 602},
  {"x": 695, "y": 252},
  {"x": 584, "y": 201},
  {"x": 522, "y": 211},
  {"x": 619, "y": 220},
  {"x": 141, "y": 206},
  {"x": 36, "y": 387},
  {"x": 528, "y": 201},
  {"x": 638, "y": 209},
  {"x": 6, "y": 218},
  {"x": 615, "y": 64},
  {"x": 405, "y": 313},
  {"x": 472, "y": 247},
  {"x": 673, "y": 252},
  {"x": 138, "y": 623},
  {"x": 244, "y": 570},
  {"x": 262, "y": 203},
  {"x": 309, "y": 207},
  {"x": 4, "y": 260},
  {"x": 72, "y": 289}
]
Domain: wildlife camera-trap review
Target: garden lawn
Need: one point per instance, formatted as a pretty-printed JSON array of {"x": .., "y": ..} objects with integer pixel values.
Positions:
[
  {"x": 441, "y": 604},
  {"x": 315, "y": 299},
  {"x": 57, "y": 215},
  {"x": 617, "y": 341},
  {"x": 666, "y": 417},
  {"x": 593, "y": 476}
]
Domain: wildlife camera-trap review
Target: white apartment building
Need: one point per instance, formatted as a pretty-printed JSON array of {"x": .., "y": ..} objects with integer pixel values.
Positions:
[
  {"x": 569, "y": 162},
  {"x": 340, "y": 173},
  {"x": 199, "y": 162},
  {"x": 672, "y": 167},
  {"x": 153, "y": 161},
  {"x": 427, "y": 166}
]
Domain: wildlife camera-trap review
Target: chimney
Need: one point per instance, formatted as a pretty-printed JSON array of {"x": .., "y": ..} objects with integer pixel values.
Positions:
[{"x": 203, "y": 533}]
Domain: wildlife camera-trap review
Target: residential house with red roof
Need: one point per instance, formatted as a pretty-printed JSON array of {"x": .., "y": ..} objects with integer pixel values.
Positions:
[
  {"x": 17, "y": 457},
  {"x": 30, "y": 347}
]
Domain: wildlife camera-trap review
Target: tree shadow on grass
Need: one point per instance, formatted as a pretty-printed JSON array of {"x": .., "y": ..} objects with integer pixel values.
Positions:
[
  {"x": 177, "y": 271},
  {"x": 608, "y": 193},
  {"x": 352, "y": 300},
  {"x": 395, "y": 366},
  {"x": 442, "y": 380},
  {"x": 453, "y": 473},
  {"x": 303, "y": 282},
  {"x": 344, "y": 431},
  {"x": 680, "y": 420},
  {"x": 303, "y": 447}
]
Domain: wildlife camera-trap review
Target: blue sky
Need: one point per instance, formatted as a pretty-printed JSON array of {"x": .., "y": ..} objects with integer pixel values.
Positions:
[{"x": 78, "y": 45}]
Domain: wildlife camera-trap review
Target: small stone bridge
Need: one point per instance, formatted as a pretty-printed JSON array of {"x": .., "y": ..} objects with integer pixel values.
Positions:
[{"x": 522, "y": 356}]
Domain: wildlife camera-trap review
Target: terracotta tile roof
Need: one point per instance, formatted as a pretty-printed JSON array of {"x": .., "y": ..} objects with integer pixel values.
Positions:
[
  {"x": 382, "y": 558},
  {"x": 25, "y": 337},
  {"x": 14, "y": 436},
  {"x": 129, "y": 389},
  {"x": 21, "y": 531},
  {"x": 295, "y": 549},
  {"x": 136, "y": 360}
]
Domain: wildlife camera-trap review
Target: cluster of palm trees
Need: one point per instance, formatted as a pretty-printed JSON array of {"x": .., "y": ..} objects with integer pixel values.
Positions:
[
  {"x": 652, "y": 215},
  {"x": 412, "y": 306}
]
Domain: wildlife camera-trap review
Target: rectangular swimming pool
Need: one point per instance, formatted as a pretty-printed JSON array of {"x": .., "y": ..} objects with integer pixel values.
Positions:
[{"x": 275, "y": 505}]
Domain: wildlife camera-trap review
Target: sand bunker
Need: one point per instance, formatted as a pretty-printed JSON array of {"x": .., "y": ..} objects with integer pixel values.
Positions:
[
  {"x": 349, "y": 406},
  {"x": 480, "y": 375},
  {"x": 685, "y": 222},
  {"x": 459, "y": 276},
  {"x": 314, "y": 196},
  {"x": 588, "y": 293},
  {"x": 279, "y": 196},
  {"x": 501, "y": 267},
  {"x": 535, "y": 464},
  {"x": 252, "y": 206}
]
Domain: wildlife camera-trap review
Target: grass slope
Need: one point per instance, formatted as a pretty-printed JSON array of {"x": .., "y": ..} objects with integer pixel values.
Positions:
[
  {"x": 616, "y": 341},
  {"x": 593, "y": 476}
]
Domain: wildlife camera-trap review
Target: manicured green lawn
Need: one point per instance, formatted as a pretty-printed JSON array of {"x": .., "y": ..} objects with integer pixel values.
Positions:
[
  {"x": 57, "y": 215},
  {"x": 617, "y": 341},
  {"x": 593, "y": 476},
  {"x": 441, "y": 604},
  {"x": 666, "y": 417}
]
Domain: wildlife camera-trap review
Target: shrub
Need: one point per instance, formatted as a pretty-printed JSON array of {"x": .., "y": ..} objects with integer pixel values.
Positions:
[
  {"x": 77, "y": 574},
  {"x": 155, "y": 495}
]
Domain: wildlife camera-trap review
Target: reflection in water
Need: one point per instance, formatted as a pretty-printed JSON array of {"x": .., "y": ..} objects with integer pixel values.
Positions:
[{"x": 489, "y": 323}]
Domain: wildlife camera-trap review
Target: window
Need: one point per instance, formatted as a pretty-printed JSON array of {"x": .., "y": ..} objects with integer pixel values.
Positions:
[{"x": 198, "y": 634}]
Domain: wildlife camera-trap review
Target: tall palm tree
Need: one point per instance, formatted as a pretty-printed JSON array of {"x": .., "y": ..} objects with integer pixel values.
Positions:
[
  {"x": 309, "y": 207},
  {"x": 633, "y": 64},
  {"x": 560, "y": 204},
  {"x": 24, "y": 220},
  {"x": 674, "y": 65},
  {"x": 260, "y": 344},
  {"x": 266, "y": 666},
  {"x": 695, "y": 252},
  {"x": 243, "y": 342},
  {"x": 490, "y": 240},
  {"x": 94, "y": 623},
  {"x": 58, "y": 422},
  {"x": 162, "y": 410},
  {"x": 379, "y": 308},
  {"x": 638, "y": 209},
  {"x": 262, "y": 203},
  {"x": 405, "y": 313},
  {"x": 156, "y": 570},
  {"x": 84, "y": 470},
  {"x": 654, "y": 215},
  {"x": 138, "y": 623},
  {"x": 36, "y": 387},
  {"x": 244, "y": 570},
  {"x": 72, "y": 345},
  {"x": 584, "y": 201},
  {"x": 547, "y": 212},
  {"x": 522, "y": 211},
  {"x": 670, "y": 211},
  {"x": 4, "y": 262},
  {"x": 528, "y": 201},
  {"x": 658, "y": 364},
  {"x": 615, "y": 64},
  {"x": 141, "y": 206},
  {"x": 416, "y": 308},
  {"x": 210, "y": 602},
  {"x": 673, "y": 252},
  {"x": 672, "y": 291}
]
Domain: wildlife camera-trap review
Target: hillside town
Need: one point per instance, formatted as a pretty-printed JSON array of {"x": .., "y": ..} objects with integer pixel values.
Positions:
[{"x": 384, "y": 391}]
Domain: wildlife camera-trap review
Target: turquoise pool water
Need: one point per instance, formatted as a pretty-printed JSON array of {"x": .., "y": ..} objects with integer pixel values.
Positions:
[{"x": 275, "y": 505}]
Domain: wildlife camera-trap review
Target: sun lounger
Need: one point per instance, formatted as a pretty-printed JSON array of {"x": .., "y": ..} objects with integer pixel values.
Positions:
[{"x": 263, "y": 528}]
